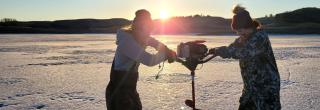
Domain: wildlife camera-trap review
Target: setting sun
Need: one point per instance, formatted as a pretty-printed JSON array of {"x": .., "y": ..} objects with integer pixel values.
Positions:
[{"x": 164, "y": 15}]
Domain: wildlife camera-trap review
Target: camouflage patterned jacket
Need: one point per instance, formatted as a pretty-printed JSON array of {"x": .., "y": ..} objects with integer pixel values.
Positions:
[{"x": 258, "y": 66}]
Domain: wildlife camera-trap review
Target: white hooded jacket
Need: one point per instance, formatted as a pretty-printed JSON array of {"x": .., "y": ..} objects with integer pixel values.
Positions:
[{"x": 129, "y": 52}]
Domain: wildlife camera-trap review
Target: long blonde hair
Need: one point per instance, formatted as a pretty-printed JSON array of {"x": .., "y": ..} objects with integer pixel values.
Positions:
[{"x": 127, "y": 28}]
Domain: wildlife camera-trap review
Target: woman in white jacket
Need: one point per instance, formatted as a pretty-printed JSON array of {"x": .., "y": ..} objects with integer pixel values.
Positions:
[{"x": 121, "y": 93}]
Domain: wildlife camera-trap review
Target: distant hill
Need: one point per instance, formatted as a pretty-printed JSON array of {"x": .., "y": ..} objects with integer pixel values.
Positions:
[
  {"x": 194, "y": 24},
  {"x": 300, "y": 16},
  {"x": 65, "y": 26},
  {"x": 301, "y": 21}
]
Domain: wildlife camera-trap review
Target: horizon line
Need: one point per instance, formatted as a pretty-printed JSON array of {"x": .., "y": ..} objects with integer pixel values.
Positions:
[{"x": 201, "y": 14}]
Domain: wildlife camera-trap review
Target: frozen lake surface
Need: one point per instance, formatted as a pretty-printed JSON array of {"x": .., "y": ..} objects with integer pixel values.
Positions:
[{"x": 58, "y": 71}]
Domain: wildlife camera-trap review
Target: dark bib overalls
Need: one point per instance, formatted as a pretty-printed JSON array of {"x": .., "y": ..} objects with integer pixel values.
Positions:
[{"x": 121, "y": 92}]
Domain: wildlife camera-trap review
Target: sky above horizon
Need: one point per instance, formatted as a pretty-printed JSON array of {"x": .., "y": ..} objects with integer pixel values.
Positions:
[{"x": 39, "y": 10}]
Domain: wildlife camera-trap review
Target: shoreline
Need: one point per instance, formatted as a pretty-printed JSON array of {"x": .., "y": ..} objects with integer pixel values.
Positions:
[{"x": 186, "y": 34}]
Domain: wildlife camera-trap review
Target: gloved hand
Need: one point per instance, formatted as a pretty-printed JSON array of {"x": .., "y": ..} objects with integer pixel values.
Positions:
[
  {"x": 212, "y": 51},
  {"x": 220, "y": 51},
  {"x": 171, "y": 55}
]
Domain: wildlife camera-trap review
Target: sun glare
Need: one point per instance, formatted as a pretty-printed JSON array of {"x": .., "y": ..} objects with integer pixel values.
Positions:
[{"x": 164, "y": 15}]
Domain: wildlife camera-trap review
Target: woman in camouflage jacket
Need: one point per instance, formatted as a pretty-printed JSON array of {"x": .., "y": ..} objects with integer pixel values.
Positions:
[{"x": 261, "y": 90}]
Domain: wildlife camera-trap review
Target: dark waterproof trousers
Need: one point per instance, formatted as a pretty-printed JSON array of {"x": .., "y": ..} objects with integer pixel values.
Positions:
[
  {"x": 121, "y": 92},
  {"x": 254, "y": 103}
]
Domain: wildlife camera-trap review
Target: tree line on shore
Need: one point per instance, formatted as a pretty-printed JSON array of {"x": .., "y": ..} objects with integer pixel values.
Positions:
[{"x": 300, "y": 21}]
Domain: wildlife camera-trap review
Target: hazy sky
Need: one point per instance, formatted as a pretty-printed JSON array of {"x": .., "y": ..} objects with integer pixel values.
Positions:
[{"x": 26, "y": 10}]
